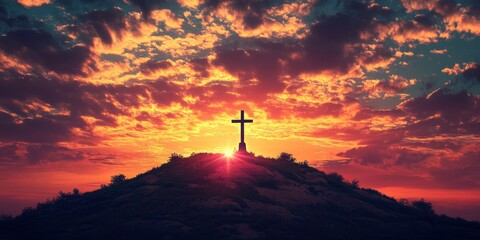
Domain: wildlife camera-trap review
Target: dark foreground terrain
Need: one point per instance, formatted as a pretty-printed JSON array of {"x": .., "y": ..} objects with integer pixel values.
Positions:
[{"x": 207, "y": 196}]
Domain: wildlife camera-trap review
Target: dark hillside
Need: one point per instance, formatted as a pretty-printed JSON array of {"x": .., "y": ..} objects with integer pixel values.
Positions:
[{"x": 207, "y": 196}]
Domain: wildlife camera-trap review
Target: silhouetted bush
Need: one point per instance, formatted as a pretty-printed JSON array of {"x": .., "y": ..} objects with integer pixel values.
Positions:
[
  {"x": 334, "y": 177},
  {"x": 175, "y": 157},
  {"x": 423, "y": 206},
  {"x": 102, "y": 186},
  {"x": 355, "y": 183},
  {"x": 116, "y": 179},
  {"x": 404, "y": 202},
  {"x": 76, "y": 192},
  {"x": 61, "y": 196},
  {"x": 304, "y": 163},
  {"x": 287, "y": 157}
]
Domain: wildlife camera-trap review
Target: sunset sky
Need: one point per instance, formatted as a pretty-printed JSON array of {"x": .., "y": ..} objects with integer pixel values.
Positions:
[{"x": 383, "y": 91}]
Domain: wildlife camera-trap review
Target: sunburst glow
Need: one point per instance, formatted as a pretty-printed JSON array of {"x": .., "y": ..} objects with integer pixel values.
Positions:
[{"x": 228, "y": 153}]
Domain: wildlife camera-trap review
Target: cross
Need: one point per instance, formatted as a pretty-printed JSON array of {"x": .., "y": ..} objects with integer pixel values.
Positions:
[{"x": 242, "y": 147}]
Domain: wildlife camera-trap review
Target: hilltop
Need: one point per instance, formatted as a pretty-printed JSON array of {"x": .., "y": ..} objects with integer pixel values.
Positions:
[{"x": 210, "y": 196}]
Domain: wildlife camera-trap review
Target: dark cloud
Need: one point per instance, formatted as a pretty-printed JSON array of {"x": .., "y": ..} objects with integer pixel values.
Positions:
[
  {"x": 453, "y": 107},
  {"x": 445, "y": 7},
  {"x": 331, "y": 43},
  {"x": 473, "y": 72},
  {"x": 44, "y": 129},
  {"x": 37, "y": 153},
  {"x": 474, "y": 8},
  {"x": 253, "y": 11},
  {"x": 147, "y": 6},
  {"x": 425, "y": 20},
  {"x": 263, "y": 65},
  {"x": 153, "y": 65},
  {"x": 201, "y": 66},
  {"x": 38, "y": 47},
  {"x": 102, "y": 23},
  {"x": 385, "y": 155}
]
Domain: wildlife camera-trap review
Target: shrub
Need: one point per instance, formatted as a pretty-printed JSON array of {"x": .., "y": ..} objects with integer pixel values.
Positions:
[
  {"x": 304, "y": 163},
  {"x": 61, "y": 196},
  {"x": 355, "y": 183},
  {"x": 335, "y": 177},
  {"x": 116, "y": 179},
  {"x": 76, "y": 192},
  {"x": 404, "y": 202},
  {"x": 175, "y": 157},
  {"x": 423, "y": 206},
  {"x": 287, "y": 157}
]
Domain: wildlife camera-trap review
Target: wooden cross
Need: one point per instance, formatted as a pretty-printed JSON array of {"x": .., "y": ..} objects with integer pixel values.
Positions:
[{"x": 242, "y": 147}]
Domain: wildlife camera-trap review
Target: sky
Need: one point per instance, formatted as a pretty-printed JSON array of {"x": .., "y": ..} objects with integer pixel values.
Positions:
[{"x": 383, "y": 91}]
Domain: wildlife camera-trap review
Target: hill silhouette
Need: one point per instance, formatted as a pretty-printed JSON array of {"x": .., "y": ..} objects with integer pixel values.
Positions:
[{"x": 208, "y": 196}]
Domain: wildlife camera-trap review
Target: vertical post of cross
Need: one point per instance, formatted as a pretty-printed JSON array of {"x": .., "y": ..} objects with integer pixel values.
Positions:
[{"x": 242, "y": 147}]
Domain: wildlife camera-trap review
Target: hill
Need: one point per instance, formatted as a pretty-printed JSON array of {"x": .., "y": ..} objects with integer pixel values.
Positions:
[{"x": 209, "y": 196}]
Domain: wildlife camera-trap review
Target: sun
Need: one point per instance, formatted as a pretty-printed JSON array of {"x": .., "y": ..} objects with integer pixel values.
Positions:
[{"x": 228, "y": 153}]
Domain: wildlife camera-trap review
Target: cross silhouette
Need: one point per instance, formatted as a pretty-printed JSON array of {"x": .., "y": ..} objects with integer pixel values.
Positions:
[{"x": 242, "y": 147}]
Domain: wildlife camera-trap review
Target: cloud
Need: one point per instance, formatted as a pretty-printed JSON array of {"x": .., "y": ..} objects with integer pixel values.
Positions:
[
  {"x": 388, "y": 156},
  {"x": 279, "y": 19},
  {"x": 472, "y": 71},
  {"x": 433, "y": 143},
  {"x": 422, "y": 29},
  {"x": 421, "y": 164},
  {"x": 255, "y": 68},
  {"x": 33, "y": 3},
  {"x": 170, "y": 19},
  {"x": 40, "y": 110},
  {"x": 252, "y": 12},
  {"x": 201, "y": 66},
  {"x": 104, "y": 24},
  {"x": 39, "y": 48},
  {"x": 147, "y": 6},
  {"x": 460, "y": 108},
  {"x": 37, "y": 153},
  {"x": 391, "y": 87},
  {"x": 469, "y": 71},
  {"x": 461, "y": 17},
  {"x": 333, "y": 41},
  {"x": 152, "y": 65},
  {"x": 439, "y": 51}
]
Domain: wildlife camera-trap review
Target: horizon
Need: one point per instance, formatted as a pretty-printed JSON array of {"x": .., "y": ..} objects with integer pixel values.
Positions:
[{"x": 384, "y": 92}]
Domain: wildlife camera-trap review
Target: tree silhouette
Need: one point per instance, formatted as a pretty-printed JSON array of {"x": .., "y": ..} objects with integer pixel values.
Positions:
[
  {"x": 355, "y": 183},
  {"x": 76, "y": 192},
  {"x": 423, "y": 205},
  {"x": 116, "y": 179},
  {"x": 288, "y": 157},
  {"x": 175, "y": 157}
]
